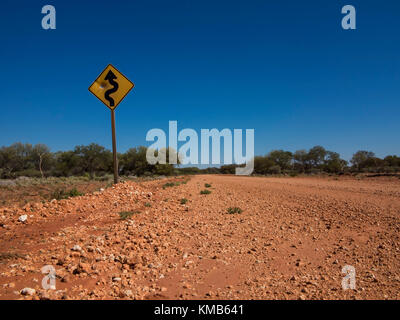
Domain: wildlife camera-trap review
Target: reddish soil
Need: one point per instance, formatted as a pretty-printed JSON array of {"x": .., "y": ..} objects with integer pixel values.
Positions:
[{"x": 291, "y": 241}]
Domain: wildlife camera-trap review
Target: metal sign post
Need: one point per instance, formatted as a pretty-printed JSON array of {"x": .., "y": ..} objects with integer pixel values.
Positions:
[
  {"x": 112, "y": 82},
  {"x": 114, "y": 146}
]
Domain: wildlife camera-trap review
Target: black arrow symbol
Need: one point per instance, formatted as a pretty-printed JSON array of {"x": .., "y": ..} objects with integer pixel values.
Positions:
[{"x": 110, "y": 77}]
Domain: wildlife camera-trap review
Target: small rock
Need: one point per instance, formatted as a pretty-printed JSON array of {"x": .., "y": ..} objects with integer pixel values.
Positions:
[
  {"x": 23, "y": 218},
  {"x": 28, "y": 291},
  {"x": 128, "y": 293},
  {"x": 84, "y": 267},
  {"x": 299, "y": 263},
  {"x": 76, "y": 248}
]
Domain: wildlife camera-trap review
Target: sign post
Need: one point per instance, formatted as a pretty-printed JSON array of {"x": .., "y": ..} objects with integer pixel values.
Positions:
[
  {"x": 112, "y": 82},
  {"x": 114, "y": 146}
]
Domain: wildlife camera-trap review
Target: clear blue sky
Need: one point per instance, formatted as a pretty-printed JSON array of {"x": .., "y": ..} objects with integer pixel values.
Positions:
[{"x": 285, "y": 68}]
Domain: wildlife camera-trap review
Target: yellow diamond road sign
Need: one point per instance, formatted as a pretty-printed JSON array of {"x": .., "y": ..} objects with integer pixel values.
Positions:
[{"x": 111, "y": 87}]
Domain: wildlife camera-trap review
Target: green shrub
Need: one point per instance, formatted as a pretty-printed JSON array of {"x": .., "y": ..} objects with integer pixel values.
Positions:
[
  {"x": 31, "y": 173},
  {"x": 10, "y": 256},
  {"x": 60, "y": 194},
  {"x": 205, "y": 191},
  {"x": 234, "y": 210},
  {"x": 315, "y": 171},
  {"x": 127, "y": 214},
  {"x": 207, "y": 185},
  {"x": 147, "y": 204},
  {"x": 105, "y": 178},
  {"x": 184, "y": 201},
  {"x": 274, "y": 169},
  {"x": 74, "y": 193},
  {"x": 170, "y": 184}
]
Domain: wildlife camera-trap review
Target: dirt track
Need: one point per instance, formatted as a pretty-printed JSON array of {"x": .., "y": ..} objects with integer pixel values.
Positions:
[{"x": 290, "y": 242}]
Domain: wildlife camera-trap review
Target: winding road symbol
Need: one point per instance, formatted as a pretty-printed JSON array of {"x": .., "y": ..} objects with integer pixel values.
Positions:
[{"x": 110, "y": 77}]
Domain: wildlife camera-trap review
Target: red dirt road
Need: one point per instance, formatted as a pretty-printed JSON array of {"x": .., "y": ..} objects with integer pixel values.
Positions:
[{"x": 291, "y": 241}]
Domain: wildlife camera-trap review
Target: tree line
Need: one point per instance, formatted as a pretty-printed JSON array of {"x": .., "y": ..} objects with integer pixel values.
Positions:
[
  {"x": 93, "y": 160},
  {"x": 319, "y": 160}
]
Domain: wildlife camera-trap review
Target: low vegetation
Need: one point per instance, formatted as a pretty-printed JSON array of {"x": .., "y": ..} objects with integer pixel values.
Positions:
[
  {"x": 207, "y": 185},
  {"x": 234, "y": 210},
  {"x": 10, "y": 256},
  {"x": 170, "y": 184},
  {"x": 127, "y": 214},
  {"x": 206, "y": 191},
  {"x": 60, "y": 194},
  {"x": 184, "y": 201}
]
